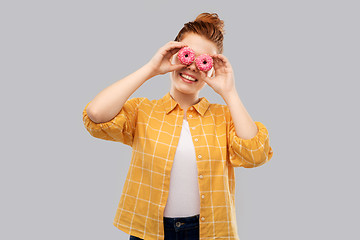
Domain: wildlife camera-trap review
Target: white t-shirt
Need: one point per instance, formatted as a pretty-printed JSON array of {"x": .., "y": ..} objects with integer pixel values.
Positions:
[{"x": 184, "y": 196}]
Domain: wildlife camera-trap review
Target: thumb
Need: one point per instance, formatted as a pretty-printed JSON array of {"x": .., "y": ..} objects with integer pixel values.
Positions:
[{"x": 205, "y": 77}]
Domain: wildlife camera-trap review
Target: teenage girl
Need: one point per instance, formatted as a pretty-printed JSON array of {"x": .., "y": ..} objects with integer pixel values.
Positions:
[{"x": 180, "y": 183}]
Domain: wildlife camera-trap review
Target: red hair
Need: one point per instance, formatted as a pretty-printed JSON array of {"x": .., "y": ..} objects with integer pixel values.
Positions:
[{"x": 208, "y": 25}]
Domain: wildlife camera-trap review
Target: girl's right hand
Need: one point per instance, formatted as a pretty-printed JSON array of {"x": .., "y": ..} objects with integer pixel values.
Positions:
[{"x": 161, "y": 61}]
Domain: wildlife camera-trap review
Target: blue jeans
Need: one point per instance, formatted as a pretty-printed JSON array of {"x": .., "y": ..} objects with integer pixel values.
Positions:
[{"x": 185, "y": 228}]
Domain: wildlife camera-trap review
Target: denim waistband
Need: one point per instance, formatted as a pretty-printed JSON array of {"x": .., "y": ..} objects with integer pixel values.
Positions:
[{"x": 181, "y": 223}]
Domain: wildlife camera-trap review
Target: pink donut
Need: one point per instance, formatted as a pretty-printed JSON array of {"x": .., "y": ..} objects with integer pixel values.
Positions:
[
  {"x": 204, "y": 62},
  {"x": 186, "y": 55}
]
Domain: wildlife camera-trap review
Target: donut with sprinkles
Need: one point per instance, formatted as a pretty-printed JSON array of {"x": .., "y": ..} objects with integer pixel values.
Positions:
[
  {"x": 186, "y": 55},
  {"x": 204, "y": 62}
]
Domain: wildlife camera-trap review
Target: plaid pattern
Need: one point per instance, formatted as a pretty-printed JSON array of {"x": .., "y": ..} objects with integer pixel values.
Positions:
[{"x": 152, "y": 128}]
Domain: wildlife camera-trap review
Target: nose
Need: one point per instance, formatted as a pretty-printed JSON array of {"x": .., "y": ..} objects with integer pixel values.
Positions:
[{"x": 192, "y": 66}]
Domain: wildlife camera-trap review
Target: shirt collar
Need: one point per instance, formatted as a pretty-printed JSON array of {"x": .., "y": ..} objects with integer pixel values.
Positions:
[{"x": 169, "y": 104}]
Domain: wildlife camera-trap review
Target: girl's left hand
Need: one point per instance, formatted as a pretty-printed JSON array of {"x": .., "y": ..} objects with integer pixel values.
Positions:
[{"x": 224, "y": 81}]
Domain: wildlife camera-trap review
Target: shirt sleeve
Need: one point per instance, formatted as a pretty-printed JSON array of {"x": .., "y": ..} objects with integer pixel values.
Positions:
[
  {"x": 119, "y": 129},
  {"x": 248, "y": 153}
]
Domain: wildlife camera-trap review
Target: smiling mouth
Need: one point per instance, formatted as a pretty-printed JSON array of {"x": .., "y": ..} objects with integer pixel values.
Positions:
[{"x": 188, "y": 78}]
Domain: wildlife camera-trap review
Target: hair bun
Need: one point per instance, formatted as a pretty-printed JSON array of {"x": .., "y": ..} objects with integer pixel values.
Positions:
[{"x": 212, "y": 18}]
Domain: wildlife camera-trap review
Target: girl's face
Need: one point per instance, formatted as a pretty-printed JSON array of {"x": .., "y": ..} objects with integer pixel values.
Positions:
[{"x": 200, "y": 45}]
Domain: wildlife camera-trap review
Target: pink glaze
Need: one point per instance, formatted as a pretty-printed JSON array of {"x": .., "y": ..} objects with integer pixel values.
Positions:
[
  {"x": 186, "y": 55},
  {"x": 204, "y": 62}
]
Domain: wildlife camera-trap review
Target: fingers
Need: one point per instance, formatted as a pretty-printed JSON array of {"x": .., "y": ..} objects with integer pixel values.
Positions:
[
  {"x": 221, "y": 61},
  {"x": 172, "y": 47},
  {"x": 173, "y": 51},
  {"x": 205, "y": 76}
]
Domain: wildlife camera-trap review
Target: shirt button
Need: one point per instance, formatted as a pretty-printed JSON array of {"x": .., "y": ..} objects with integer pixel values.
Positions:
[
  {"x": 196, "y": 139},
  {"x": 202, "y": 219},
  {"x": 190, "y": 116},
  {"x": 202, "y": 196},
  {"x": 193, "y": 128},
  {"x": 201, "y": 176},
  {"x": 199, "y": 156},
  {"x": 191, "y": 108}
]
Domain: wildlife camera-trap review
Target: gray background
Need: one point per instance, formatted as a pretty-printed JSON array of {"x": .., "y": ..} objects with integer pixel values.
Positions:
[{"x": 296, "y": 66}]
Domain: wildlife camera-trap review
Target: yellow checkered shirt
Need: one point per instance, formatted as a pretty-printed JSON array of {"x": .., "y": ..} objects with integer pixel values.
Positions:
[{"x": 152, "y": 128}]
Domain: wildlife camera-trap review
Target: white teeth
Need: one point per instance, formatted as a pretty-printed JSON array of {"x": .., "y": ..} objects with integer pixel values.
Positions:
[{"x": 188, "y": 77}]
